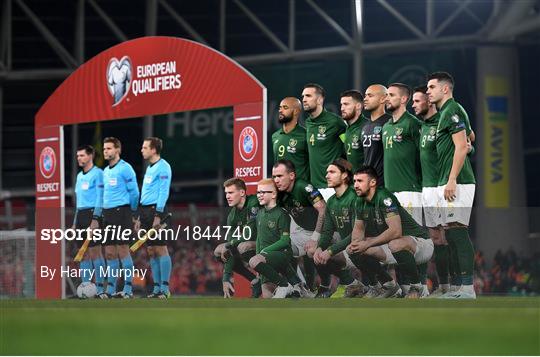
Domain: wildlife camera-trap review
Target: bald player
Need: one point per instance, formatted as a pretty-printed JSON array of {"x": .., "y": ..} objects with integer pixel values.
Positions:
[
  {"x": 375, "y": 102},
  {"x": 289, "y": 142}
]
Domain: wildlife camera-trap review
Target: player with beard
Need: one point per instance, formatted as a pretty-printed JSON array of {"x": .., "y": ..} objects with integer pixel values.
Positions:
[
  {"x": 336, "y": 233},
  {"x": 323, "y": 136},
  {"x": 351, "y": 112},
  {"x": 402, "y": 173},
  {"x": 456, "y": 183},
  {"x": 290, "y": 142},
  {"x": 375, "y": 101},
  {"x": 384, "y": 230}
]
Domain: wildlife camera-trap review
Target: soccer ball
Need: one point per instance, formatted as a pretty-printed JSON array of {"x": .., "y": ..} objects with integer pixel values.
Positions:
[{"x": 86, "y": 290}]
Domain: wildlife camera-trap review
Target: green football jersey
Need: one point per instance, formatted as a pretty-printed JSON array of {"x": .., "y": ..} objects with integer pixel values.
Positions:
[
  {"x": 353, "y": 143},
  {"x": 402, "y": 170},
  {"x": 324, "y": 144},
  {"x": 453, "y": 119},
  {"x": 428, "y": 151},
  {"x": 299, "y": 204},
  {"x": 241, "y": 218},
  {"x": 339, "y": 218},
  {"x": 271, "y": 225},
  {"x": 384, "y": 205},
  {"x": 292, "y": 146}
]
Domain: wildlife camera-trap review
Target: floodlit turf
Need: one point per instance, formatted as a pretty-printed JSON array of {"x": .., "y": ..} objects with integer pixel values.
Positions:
[{"x": 183, "y": 326}]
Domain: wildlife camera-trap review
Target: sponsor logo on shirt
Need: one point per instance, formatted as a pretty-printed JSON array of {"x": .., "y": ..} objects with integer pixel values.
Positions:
[
  {"x": 355, "y": 142},
  {"x": 432, "y": 134},
  {"x": 321, "y": 135},
  {"x": 398, "y": 137},
  {"x": 377, "y": 133},
  {"x": 292, "y": 146}
]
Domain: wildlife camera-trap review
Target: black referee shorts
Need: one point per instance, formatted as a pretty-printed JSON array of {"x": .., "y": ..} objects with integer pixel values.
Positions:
[
  {"x": 147, "y": 218},
  {"x": 119, "y": 218},
  {"x": 83, "y": 219}
]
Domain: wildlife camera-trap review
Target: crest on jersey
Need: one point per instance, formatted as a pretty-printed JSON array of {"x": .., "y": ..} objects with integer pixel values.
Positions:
[
  {"x": 248, "y": 143},
  {"x": 432, "y": 131},
  {"x": 387, "y": 202},
  {"x": 377, "y": 129},
  {"x": 271, "y": 224},
  {"x": 254, "y": 211},
  {"x": 47, "y": 162},
  {"x": 355, "y": 138},
  {"x": 399, "y": 131},
  {"x": 119, "y": 78},
  {"x": 322, "y": 129},
  {"x": 293, "y": 142}
]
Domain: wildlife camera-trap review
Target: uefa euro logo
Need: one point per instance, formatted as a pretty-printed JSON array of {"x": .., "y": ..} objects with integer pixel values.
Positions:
[
  {"x": 248, "y": 143},
  {"x": 47, "y": 162},
  {"x": 119, "y": 77}
]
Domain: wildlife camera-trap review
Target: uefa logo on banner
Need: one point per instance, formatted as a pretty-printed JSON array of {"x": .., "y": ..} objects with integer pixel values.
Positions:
[
  {"x": 47, "y": 162},
  {"x": 119, "y": 78},
  {"x": 248, "y": 143}
]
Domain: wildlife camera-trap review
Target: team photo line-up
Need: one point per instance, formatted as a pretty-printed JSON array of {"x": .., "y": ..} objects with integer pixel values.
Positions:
[{"x": 357, "y": 204}]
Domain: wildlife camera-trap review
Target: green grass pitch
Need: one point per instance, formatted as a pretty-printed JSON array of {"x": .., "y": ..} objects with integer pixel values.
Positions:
[{"x": 203, "y": 326}]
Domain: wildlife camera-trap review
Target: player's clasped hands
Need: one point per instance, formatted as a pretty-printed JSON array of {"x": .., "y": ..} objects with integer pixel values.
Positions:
[
  {"x": 357, "y": 246},
  {"x": 321, "y": 257}
]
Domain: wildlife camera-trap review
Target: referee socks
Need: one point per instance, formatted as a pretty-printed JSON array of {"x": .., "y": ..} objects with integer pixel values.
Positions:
[
  {"x": 113, "y": 265},
  {"x": 127, "y": 265},
  {"x": 156, "y": 275},
  {"x": 85, "y": 268},
  {"x": 99, "y": 265},
  {"x": 165, "y": 266}
]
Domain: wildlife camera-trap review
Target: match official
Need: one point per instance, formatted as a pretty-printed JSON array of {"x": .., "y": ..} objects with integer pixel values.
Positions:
[
  {"x": 89, "y": 198},
  {"x": 154, "y": 195},
  {"x": 120, "y": 199}
]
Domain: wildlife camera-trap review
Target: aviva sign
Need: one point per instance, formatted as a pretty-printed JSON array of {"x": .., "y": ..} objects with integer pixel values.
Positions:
[{"x": 497, "y": 144}]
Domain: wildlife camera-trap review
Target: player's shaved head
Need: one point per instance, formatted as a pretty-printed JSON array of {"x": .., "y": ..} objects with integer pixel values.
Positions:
[
  {"x": 289, "y": 109},
  {"x": 377, "y": 89},
  {"x": 375, "y": 97},
  {"x": 293, "y": 102}
]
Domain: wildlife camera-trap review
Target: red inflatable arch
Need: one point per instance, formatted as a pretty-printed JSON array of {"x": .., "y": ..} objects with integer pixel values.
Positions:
[{"x": 146, "y": 76}]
